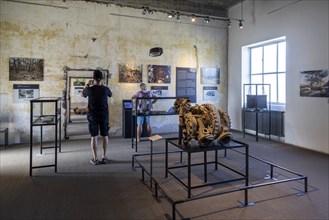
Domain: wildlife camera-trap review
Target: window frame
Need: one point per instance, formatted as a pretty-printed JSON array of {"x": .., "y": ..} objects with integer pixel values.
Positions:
[{"x": 262, "y": 73}]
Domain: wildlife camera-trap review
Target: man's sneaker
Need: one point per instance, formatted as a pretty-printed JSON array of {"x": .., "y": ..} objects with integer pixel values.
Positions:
[
  {"x": 104, "y": 160},
  {"x": 94, "y": 161}
]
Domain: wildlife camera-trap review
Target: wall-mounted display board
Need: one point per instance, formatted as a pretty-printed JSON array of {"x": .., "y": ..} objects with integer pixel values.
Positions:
[
  {"x": 25, "y": 92},
  {"x": 159, "y": 74},
  {"x": 210, "y": 93},
  {"x": 210, "y": 75},
  {"x": 186, "y": 83},
  {"x": 160, "y": 91}
]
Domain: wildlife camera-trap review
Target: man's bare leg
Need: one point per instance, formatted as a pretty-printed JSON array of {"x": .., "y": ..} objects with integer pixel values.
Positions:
[
  {"x": 94, "y": 147},
  {"x": 105, "y": 143},
  {"x": 139, "y": 131}
]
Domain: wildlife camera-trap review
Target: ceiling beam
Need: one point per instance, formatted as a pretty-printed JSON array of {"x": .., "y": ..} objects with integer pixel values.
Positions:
[{"x": 207, "y": 8}]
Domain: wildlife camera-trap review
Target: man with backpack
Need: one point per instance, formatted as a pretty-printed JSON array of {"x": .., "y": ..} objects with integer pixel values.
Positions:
[{"x": 144, "y": 106}]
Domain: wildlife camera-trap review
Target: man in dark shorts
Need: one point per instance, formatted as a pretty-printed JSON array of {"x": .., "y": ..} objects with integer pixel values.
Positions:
[{"x": 98, "y": 113}]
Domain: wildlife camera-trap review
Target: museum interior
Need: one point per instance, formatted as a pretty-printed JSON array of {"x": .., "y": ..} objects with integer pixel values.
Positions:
[{"x": 238, "y": 106}]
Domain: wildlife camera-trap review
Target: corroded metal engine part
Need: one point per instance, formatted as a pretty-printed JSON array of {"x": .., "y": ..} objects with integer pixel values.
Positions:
[
  {"x": 203, "y": 123},
  {"x": 81, "y": 111}
]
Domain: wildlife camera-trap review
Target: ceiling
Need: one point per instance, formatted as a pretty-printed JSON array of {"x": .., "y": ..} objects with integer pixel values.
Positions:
[{"x": 214, "y": 8}]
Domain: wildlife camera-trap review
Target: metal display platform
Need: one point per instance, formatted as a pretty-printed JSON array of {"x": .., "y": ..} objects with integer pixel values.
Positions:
[{"x": 160, "y": 191}]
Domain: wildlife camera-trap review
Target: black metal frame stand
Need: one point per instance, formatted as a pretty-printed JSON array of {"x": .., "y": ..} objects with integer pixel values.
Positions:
[
  {"x": 38, "y": 121},
  {"x": 134, "y": 142},
  {"x": 159, "y": 189},
  {"x": 204, "y": 150}
]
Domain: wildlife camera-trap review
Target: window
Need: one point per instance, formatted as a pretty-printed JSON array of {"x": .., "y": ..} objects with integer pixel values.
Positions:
[{"x": 268, "y": 66}]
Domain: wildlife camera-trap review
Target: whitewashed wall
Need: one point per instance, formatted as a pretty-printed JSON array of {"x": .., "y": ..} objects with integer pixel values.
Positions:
[
  {"x": 62, "y": 35},
  {"x": 305, "y": 25}
]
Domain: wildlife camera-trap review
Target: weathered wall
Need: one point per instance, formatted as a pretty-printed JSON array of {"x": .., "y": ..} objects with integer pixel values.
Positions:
[{"x": 63, "y": 35}]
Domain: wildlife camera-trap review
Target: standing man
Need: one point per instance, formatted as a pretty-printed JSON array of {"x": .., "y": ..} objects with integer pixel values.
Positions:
[
  {"x": 98, "y": 114},
  {"x": 143, "y": 93}
]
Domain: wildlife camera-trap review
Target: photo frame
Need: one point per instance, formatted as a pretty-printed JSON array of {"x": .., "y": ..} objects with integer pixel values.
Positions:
[
  {"x": 159, "y": 74},
  {"x": 130, "y": 73},
  {"x": 26, "y": 69},
  {"x": 210, "y": 75},
  {"x": 314, "y": 83}
]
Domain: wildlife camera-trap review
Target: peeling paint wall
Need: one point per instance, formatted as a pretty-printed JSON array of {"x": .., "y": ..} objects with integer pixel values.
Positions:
[{"x": 61, "y": 33}]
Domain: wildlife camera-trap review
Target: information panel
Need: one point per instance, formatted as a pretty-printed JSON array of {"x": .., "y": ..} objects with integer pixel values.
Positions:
[{"x": 186, "y": 82}]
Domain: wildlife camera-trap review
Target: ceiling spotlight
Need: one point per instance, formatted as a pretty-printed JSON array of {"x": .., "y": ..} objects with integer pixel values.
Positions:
[
  {"x": 206, "y": 20},
  {"x": 240, "y": 24},
  {"x": 193, "y": 18},
  {"x": 178, "y": 16},
  {"x": 229, "y": 23},
  {"x": 169, "y": 15},
  {"x": 150, "y": 11}
]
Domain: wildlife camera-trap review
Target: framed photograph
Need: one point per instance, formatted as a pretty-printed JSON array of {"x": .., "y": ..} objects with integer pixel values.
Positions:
[
  {"x": 210, "y": 75},
  {"x": 79, "y": 82},
  {"x": 159, "y": 74},
  {"x": 210, "y": 93},
  {"x": 25, "y": 92},
  {"x": 314, "y": 83},
  {"x": 130, "y": 73},
  {"x": 26, "y": 69}
]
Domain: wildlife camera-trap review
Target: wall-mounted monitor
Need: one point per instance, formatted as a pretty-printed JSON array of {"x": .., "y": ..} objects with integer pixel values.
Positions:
[{"x": 257, "y": 101}]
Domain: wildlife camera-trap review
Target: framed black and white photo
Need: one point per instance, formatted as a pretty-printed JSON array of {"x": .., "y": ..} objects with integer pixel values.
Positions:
[{"x": 210, "y": 75}]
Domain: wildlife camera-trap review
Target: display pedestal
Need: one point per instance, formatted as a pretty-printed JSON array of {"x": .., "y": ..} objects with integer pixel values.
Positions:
[{"x": 45, "y": 111}]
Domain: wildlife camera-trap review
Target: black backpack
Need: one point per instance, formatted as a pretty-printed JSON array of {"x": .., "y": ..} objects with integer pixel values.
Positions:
[{"x": 145, "y": 105}]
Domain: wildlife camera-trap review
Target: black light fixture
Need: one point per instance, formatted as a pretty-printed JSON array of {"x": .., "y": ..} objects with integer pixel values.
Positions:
[
  {"x": 155, "y": 52},
  {"x": 170, "y": 14},
  {"x": 229, "y": 23}
]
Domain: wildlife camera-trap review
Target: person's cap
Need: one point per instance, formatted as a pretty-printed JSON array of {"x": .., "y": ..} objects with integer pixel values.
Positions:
[{"x": 98, "y": 75}]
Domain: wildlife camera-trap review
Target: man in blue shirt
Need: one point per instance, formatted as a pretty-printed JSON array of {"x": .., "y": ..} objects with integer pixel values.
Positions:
[{"x": 98, "y": 113}]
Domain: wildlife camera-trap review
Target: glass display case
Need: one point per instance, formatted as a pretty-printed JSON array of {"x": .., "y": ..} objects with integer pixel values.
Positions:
[{"x": 45, "y": 111}]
